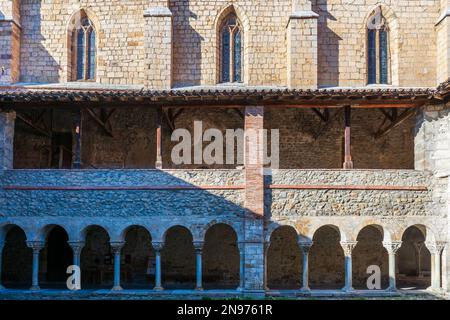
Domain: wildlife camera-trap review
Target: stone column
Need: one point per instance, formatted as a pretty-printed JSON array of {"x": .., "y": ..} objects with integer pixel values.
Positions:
[
  {"x": 241, "y": 247},
  {"x": 348, "y": 247},
  {"x": 158, "y": 246},
  {"x": 305, "y": 247},
  {"x": 7, "y": 123},
  {"x": 2, "y": 244},
  {"x": 76, "y": 246},
  {"x": 37, "y": 246},
  {"x": 436, "y": 250},
  {"x": 159, "y": 115},
  {"x": 116, "y": 247},
  {"x": 392, "y": 248},
  {"x": 198, "y": 245}
]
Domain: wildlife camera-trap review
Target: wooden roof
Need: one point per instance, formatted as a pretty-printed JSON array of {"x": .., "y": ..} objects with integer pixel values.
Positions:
[{"x": 12, "y": 97}]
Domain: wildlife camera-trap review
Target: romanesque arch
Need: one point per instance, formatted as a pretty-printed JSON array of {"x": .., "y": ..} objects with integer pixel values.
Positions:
[
  {"x": 326, "y": 265},
  {"x": 284, "y": 260},
  {"x": 97, "y": 259},
  {"x": 221, "y": 258},
  {"x": 178, "y": 259},
  {"x": 414, "y": 260},
  {"x": 138, "y": 268},
  {"x": 55, "y": 258},
  {"x": 368, "y": 252},
  {"x": 16, "y": 259}
]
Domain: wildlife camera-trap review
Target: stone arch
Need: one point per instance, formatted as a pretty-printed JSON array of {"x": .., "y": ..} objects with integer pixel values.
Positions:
[
  {"x": 55, "y": 257},
  {"x": 139, "y": 259},
  {"x": 70, "y": 27},
  {"x": 16, "y": 259},
  {"x": 393, "y": 38},
  {"x": 284, "y": 259},
  {"x": 243, "y": 18},
  {"x": 221, "y": 258},
  {"x": 96, "y": 258},
  {"x": 327, "y": 268},
  {"x": 370, "y": 251},
  {"x": 85, "y": 229},
  {"x": 343, "y": 235},
  {"x": 414, "y": 259},
  {"x": 426, "y": 231},
  {"x": 178, "y": 258},
  {"x": 235, "y": 227}
]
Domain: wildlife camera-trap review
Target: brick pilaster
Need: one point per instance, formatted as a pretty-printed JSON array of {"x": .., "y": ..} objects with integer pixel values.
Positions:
[{"x": 254, "y": 201}]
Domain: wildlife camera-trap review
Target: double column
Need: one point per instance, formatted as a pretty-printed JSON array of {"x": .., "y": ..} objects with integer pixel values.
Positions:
[
  {"x": 305, "y": 247},
  {"x": 36, "y": 246},
  {"x": 436, "y": 249},
  {"x": 392, "y": 249},
  {"x": 348, "y": 247},
  {"x": 116, "y": 247},
  {"x": 198, "y": 245}
]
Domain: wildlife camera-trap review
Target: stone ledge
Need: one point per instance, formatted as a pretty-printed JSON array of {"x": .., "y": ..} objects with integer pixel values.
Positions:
[
  {"x": 158, "y": 12},
  {"x": 304, "y": 15}
]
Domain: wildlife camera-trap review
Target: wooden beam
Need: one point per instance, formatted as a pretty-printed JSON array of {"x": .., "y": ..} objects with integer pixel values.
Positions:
[
  {"x": 169, "y": 120},
  {"x": 402, "y": 118},
  {"x": 77, "y": 127},
  {"x": 348, "y": 163},
  {"x": 32, "y": 125},
  {"x": 325, "y": 116},
  {"x": 100, "y": 122},
  {"x": 158, "y": 162}
]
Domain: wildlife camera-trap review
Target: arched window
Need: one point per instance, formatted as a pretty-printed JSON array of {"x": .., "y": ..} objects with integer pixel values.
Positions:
[
  {"x": 378, "y": 63},
  {"x": 231, "y": 49},
  {"x": 83, "y": 49}
]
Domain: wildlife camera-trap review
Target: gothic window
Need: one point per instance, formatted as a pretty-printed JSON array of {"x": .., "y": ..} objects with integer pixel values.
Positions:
[
  {"x": 378, "y": 63},
  {"x": 83, "y": 50},
  {"x": 231, "y": 50}
]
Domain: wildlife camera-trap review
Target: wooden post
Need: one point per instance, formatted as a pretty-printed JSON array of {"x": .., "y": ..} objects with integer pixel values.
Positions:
[
  {"x": 159, "y": 114},
  {"x": 348, "y": 163},
  {"x": 77, "y": 125}
]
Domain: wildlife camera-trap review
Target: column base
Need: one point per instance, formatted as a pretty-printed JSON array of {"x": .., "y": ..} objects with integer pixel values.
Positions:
[
  {"x": 199, "y": 289},
  {"x": 35, "y": 288},
  {"x": 305, "y": 290},
  {"x": 391, "y": 289},
  {"x": 256, "y": 294},
  {"x": 158, "y": 165},
  {"x": 158, "y": 289},
  {"x": 348, "y": 165},
  {"x": 117, "y": 288},
  {"x": 348, "y": 289}
]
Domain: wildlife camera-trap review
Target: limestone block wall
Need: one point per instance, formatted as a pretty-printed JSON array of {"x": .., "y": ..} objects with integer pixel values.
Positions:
[
  {"x": 10, "y": 33},
  {"x": 432, "y": 139},
  {"x": 123, "y": 50}
]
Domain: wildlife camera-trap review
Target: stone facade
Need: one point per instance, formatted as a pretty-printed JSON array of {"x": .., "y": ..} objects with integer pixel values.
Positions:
[{"x": 128, "y": 215}]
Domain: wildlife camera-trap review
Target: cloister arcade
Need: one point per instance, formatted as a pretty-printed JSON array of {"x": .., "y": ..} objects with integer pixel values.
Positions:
[{"x": 179, "y": 259}]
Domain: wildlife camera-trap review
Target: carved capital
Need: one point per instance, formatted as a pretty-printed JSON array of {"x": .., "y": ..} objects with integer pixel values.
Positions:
[
  {"x": 436, "y": 247},
  {"x": 36, "y": 245},
  {"x": 305, "y": 246},
  {"x": 241, "y": 247},
  {"x": 117, "y": 246},
  {"x": 158, "y": 246},
  {"x": 392, "y": 246},
  {"x": 76, "y": 246},
  {"x": 198, "y": 245},
  {"x": 348, "y": 247}
]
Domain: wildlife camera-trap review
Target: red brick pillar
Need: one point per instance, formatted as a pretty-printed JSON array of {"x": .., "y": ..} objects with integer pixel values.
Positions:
[{"x": 254, "y": 201}]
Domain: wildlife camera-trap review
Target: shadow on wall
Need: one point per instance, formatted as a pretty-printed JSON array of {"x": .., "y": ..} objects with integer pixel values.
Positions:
[
  {"x": 328, "y": 47},
  {"x": 37, "y": 63},
  {"x": 187, "y": 45}
]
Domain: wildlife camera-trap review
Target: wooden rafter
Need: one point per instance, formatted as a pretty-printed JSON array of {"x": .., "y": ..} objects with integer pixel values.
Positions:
[
  {"x": 400, "y": 119},
  {"x": 172, "y": 116},
  {"x": 103, "y": 122},
  {"x": 323, "y": 115},
  {"x": 33, "y": 124}
]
